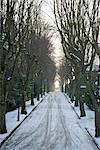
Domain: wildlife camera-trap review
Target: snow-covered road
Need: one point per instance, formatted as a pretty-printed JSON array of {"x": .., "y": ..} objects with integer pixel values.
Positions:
[{"x": 52, "y": 126}]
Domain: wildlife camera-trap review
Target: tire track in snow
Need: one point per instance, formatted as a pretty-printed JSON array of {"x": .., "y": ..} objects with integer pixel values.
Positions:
[
  {"x": 11, "y": 145},
  {"x": 48, "y": 123},
  {"x": 51, "y": 132},
  {"x": 62, "y": 120}
]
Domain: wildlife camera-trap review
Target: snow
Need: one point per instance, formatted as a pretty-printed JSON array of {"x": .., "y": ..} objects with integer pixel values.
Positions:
[
  {"x": 11, "y": 118},
  {"x": 52, "y": 126},
  {"x": 87, "y": 122}
]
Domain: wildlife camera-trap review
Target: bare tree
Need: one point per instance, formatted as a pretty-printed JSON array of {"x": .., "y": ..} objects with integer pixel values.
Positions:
[
  {"x": 14, "y": 17},
  {"x": 79, "y": 31}
]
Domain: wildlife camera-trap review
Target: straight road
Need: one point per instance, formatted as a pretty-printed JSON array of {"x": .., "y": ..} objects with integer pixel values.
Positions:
[{"x": 52, "y": 126}]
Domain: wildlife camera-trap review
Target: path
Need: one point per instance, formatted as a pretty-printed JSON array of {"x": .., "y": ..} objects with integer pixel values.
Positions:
[{"x": 52, "y": 126}]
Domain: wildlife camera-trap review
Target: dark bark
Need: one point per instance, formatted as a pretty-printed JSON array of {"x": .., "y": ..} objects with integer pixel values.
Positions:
[
  {"x": 41, "y": 93},
  {"x": 23, "y": 108},
  {"x": 44, "y": 89},
  {"x": 97, "y": 122},
  {"x": 35, "y": 91},
  {"x": 65, "y": 88},
  {"x": 38, "y": 98},
  {"x": 2, "y": 119},
  {"x": 62, "y": 88},
  {"x": 76, "y": 103},
  {"x": 18, "y": 117},
  {"x": 32, "y": 99},
  {"x": 82, "y": 110}
]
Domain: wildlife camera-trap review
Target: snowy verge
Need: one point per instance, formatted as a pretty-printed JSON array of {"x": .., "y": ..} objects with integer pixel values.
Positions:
[
  {"x": 87, "y": 122},
  {"x": 11, "y": 119}
]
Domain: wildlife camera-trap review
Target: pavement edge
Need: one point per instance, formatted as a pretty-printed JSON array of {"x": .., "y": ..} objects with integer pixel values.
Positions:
[
  {"x": 93, "y": 139},
  {"x": 1, "y": 143}
]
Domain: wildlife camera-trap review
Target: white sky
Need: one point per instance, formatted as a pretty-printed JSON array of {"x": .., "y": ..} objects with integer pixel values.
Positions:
[{"x": 48, "y": 16}]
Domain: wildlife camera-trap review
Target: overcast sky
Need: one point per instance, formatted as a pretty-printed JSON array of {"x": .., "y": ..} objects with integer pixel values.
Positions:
[{"x": 48, "y": 17}]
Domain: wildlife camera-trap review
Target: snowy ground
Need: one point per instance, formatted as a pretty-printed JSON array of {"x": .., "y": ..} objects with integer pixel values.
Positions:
[
  {"x": 11, "y": 118},
  {"x": 87, "y": 121},
  {"x": 52, "y": 126}
]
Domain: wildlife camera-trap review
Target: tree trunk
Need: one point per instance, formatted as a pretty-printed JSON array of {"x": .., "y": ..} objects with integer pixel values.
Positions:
[
  {"x": 62, "y": 88},
  {"x": 41, "y": 89},
  {"x": 32, "y": 99},
  {"x": 76, "y": 103},
  {"x": 44, "y": 89},
  {"x": 65, "y": 88},
  {"x": 18, "y": 115},
  {"x": 23, "y": 109},
  {"x": 82, "y": 110},
  {"x": 97, "y": 110},
  {"x": 38, "y": 98},
  {"x": 2, "y": 119},
  {"x": 97, "y": 122},
  {"x": 47, "y": 87},
  {"x": 35, "y": 92},
  {"x": 41, "y": 93},
  {"x": 2, "y": 104}
]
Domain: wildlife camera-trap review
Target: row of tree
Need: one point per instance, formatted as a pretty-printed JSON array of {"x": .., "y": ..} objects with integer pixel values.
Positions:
[
  {"x": 78, "y": 23},
  {"x": 25, "y": 50}
]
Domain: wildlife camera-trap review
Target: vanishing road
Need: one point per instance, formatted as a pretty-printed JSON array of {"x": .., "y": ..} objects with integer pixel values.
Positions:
[{"x": 52, "y": 126}]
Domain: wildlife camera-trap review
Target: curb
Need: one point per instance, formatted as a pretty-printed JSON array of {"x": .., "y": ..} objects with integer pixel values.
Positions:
[
  {"x": 20, "y": 123},
  {"x": 93, "y": 139},
  {"x": 72, "y": 107}
]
